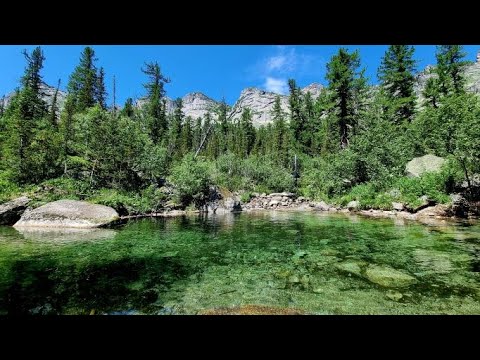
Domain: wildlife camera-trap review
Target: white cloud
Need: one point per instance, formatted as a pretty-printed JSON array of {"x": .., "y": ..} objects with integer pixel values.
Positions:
[
  {"x": 278, "y": 86},
  {"x": 285, "y": 61}
]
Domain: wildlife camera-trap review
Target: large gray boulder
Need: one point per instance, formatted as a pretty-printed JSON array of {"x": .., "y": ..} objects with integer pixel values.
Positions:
[
  {"x": 68, "y": 214},
  {"x": 10, "y": 212},
  {"x": 420, "y": 165}
]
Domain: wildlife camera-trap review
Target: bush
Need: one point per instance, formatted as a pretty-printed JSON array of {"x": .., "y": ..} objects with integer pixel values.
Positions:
[
  {"x": 246, "y": 197},
  {"x": 8, "y": 188},
  {"x": 191, "y": 178},
  {"x": 58, "y": 189},
  {"x": 147, "y": 201},
  {"x": 263, "y": 175}
]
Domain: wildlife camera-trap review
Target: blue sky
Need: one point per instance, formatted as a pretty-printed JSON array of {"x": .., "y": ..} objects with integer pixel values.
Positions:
[{"x": 216, "y": 70}]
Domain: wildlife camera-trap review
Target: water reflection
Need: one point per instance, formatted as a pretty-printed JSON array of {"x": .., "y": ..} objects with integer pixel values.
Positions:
[{"x": 65, "y": 235}]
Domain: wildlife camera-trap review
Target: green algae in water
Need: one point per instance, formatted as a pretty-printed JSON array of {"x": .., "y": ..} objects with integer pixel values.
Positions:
[{"x": 318, "y": 263}]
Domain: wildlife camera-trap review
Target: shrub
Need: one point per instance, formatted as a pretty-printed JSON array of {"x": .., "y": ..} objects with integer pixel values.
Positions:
[{"x": 192, "y": 181}]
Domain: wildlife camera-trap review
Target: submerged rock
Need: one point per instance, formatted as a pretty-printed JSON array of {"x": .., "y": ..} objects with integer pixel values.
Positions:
[
  {"x": 68, "y": 214},
  {"x": 350, "y": 267},
  {"x": 394, "y": 295},
  {"x": 388, "y": 277},
  {"x": 10, "y": 212}
]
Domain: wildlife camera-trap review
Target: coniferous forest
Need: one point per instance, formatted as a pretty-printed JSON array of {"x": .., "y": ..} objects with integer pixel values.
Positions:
[{"x": 350, "y": 143}]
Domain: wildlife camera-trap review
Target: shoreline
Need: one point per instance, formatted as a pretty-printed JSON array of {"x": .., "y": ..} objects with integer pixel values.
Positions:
[{"x": 428, "y": 215}]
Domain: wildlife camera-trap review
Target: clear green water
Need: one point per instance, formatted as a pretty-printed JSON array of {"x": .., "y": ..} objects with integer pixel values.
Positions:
[{"x": 321, "y": 264}]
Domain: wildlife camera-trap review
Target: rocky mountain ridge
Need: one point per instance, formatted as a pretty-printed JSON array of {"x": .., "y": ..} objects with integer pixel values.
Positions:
[{"x": 260, "y": 102}]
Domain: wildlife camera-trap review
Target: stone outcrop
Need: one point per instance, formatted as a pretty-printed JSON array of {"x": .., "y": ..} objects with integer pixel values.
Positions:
[
  {"x": 261, "y": 103},
  {"x": 194, "y": 105},
  {"x": 47, "y": 92},
  {"x": 472, "y": 77},
  {"x": 10, "y": 212},
  {"x": 420, "y": 165},
  {"x": 68, "y": 214}
]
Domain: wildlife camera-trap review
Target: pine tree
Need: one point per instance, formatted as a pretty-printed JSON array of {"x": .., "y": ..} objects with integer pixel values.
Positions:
[
  {"x": 100, "y": 91},
  {"x": 54, "y": 107},
  {"x": 222, "y": 111},
  {"x": 67, "y": 131},
  {"x": 280, "y": 133},
  {"x": 25, "y": 115},
  {"x": 156, "y": 105},
  {"x": 346, "y": 85},
  {"x": 83, "y": 81},
  {"x": 175, "y": 131},
  {"x": 128, "y": 108},
  {"x": 2, "y": 106},
  {"x": 450, "y": 68},
  {"x": 297, "y": 121},
  {"x": 246, "y": 136},
  {"x": 396, "y": 74},
  {"x": 32, "y": 104},
  {"x": 186, "y": 136},
  {"x": 431, "y": 93}
]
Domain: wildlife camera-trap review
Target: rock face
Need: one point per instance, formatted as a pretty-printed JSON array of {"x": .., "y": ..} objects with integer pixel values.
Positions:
[
  {"x": 10, "y": 212},
  {"x": 423, "y": 164},
  {"x": 261, "y": 102},
  {"x": 194, "y": 104},
  {"x": 228, "y": 205},
  {"x": 48, "y": 93},
  {"x": 68, "y": 214}
]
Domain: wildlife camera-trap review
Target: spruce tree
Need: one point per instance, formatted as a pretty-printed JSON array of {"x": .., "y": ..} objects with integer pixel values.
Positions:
[
  {"x": 54, "y": 107},
  {"x": 82, "y": 86},
  {"x": 431, "y": 93},
  {"x": 100, "y": 91},
  {"x": 450, "y": 69},
  {"x": 128, "y": 108},
  {"x": 346, "y": 84},
  {"x": 280, "y": 133},
  {"x": 297, "y": 121},
  {"x": 156, "y": 105},
  {"x": 175, "y": 131},
  {"x": 396, "y": 74},
  {"x": 246, "y": 138}
]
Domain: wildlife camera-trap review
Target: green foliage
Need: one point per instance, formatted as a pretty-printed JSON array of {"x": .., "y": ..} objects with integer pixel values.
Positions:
[
  {"x": 82, "y": 85},
  {"x": 263, "y": 173},
  {"x": 8, "y": 188},
  {"x": 347, "y": 86},
  {"x": 156, "y": 106},
  {"x": 396, "y": 74},
  {"x": 351, "y": 144},
  {"x": 450, "y": 68},
  {"x": 246, "y": 196},
  {"x": 191, "y": 178},
  {"x": 147, "y": 201}
]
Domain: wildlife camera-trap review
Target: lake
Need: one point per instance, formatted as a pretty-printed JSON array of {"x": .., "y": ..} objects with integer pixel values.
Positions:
[{"x": 311, "y": 263}]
